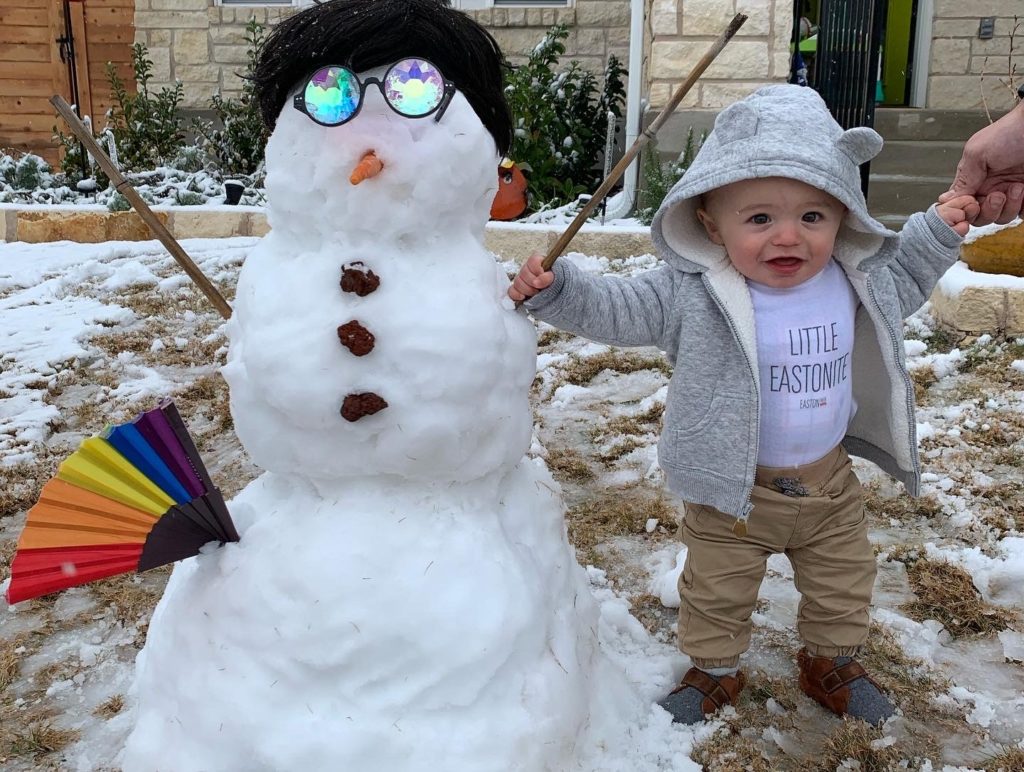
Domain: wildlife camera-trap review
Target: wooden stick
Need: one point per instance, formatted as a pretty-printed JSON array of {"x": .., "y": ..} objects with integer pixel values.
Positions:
[
  {"x": 126, "y": 189},
  {"x": 643, "y": 139}
]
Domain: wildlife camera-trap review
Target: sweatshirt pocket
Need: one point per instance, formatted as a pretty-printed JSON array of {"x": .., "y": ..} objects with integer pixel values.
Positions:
[{"x": 716, "y": 439}]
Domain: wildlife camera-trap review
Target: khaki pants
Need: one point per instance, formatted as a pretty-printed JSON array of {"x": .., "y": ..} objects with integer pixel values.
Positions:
[{"x": 823, "y": 532}]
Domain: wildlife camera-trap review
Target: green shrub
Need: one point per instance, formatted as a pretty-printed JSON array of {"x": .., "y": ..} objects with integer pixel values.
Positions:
[
  {"x": 147, "y": 127},
  {"x": 561, "y": 120},
  {"x": 658, "y": 177},
  {"x": 238, "y": 147},
  {"x": 119, "y": 203},
  {"x": 30, "y": 172}
]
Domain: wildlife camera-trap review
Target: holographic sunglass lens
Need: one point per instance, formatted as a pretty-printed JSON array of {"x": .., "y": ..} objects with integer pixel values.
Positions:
[
  {"x": 332, "y": 95},
  {"x": 414, "y": 87}
]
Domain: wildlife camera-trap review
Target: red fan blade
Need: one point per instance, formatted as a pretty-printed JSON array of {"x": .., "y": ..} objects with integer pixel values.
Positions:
[{"x": 36, "y": 572}]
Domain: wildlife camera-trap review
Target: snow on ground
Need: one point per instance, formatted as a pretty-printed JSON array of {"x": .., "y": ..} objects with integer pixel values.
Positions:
[{"x": 95, "y": 333}]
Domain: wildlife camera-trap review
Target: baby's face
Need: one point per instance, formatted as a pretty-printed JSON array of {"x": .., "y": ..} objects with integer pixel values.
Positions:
[{"x": 778, "y": 232}]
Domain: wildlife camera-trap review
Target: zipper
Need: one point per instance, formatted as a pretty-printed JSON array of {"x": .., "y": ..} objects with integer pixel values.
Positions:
[
  {"x": 908, "y": 388},
  {"x": 740, "y": 526}
]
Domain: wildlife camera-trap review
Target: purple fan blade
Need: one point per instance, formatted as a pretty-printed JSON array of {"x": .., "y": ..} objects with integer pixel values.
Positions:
[
  {"x": 177, "y": 424},
  {"x": 159, "y": 433}
]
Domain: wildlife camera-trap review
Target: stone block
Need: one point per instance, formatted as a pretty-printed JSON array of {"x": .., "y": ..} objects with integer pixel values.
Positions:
[
  {"x": 159, "y": 37},
  {"x": 257, "y": 224},
  {"x": 664, "y": 17},
  {"x": 958, "y": 9},
  {"x": 719, "y": 94},
  {"x": 161, "y": 58},
  {"x": 760, "y": 18},
  {"x": 706, "y": 17},
  {"x": 950, "y": 56},
  {"x": 740, "y": 60},
  {"x": 514, "y": 243},
  {"x": 228, "y": 35},
  {"x": 128, "y": 226},
  {"x": 88, "y": 227},
  {"x": 173, "y": 20},
  {"x": 535, "y": 17},
  {"x": 181, "y": 6},
  {"x": 8, "y": 225},
  {"x": 661, "y": 92},
  {"x": 973, "y": 309},
  {"x": 231, "y": 54},
  {"x": 602, "y": 14},
  {"x": 191, "y": 47},
  {"x": 780, "y": 63},
  {"x": 590, "y": 41},
  {"x": 209, "y": 224},
  {"x": 197, "y": 73},
  {"x": 611, "y": 243},
  {"x": 517, "y": 17},
  {"x": 1014, "y": 322},
  {"x": 197, "y": 95},
  {"x": 997, "y": 47},
  {"x": 964, "y": 92}
]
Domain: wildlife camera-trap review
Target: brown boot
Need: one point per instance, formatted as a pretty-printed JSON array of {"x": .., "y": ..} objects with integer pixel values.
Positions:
[
  {"x": 843, "y": 686},
  {"x": 700, "y": 694}
]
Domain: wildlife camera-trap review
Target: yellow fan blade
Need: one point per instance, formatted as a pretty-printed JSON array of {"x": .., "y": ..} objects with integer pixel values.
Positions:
[{"x": 98, "y": 467}]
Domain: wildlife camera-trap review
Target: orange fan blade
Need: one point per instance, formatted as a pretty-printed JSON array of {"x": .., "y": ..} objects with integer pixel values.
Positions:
[{"x": 69, "y": 516}]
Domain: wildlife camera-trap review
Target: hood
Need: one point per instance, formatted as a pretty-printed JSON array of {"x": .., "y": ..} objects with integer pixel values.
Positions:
[{"x": 778, "y": 131}]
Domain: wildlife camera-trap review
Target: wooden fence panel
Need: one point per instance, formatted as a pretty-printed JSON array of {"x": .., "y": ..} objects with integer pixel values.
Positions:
[{"x": 31, "y": 69}]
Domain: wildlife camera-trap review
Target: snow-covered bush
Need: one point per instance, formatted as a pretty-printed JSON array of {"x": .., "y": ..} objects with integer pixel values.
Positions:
[
  {"x": 31, "y": 171},
  {"x": 237, "y": 147},
  {"x": 659, "y": 176},
  {"x": 560, "y": 120}
]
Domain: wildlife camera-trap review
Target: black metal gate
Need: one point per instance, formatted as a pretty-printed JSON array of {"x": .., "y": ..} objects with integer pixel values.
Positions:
[{"x": 846, "y": 64}]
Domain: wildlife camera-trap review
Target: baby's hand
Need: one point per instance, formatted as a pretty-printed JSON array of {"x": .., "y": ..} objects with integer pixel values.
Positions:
[
  {"x": 532, "y": 279},
  {"x": 958, "y": 213}
]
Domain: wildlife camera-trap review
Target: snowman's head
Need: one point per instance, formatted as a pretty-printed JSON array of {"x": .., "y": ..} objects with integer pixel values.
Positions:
[{"x": 361, "y": 36}]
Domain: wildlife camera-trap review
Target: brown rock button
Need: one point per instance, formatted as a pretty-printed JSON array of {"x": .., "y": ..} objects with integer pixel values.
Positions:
[
  {"x": 356, "y": 338},
  {"x": 356, "y": 406},
  {"x": 357, "y": 278}
]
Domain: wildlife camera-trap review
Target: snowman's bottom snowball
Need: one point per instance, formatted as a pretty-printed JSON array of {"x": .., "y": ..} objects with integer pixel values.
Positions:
[{"x": 381, "y": 625}]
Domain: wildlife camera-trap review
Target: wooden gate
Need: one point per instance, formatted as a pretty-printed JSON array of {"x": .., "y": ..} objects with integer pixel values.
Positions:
[{"x": 61, "y": 47}]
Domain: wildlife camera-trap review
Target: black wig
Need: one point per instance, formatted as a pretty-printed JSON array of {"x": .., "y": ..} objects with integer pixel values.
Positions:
[{"x": 363, "y": 34}]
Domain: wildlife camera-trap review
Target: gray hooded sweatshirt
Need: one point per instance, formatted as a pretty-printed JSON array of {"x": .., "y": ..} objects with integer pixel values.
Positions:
[{"x": 697, "y": 308}]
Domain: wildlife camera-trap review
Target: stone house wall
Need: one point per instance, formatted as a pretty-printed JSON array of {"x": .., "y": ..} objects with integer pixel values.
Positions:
[
  {"x": 965, "y": 71},
  {"x": 203, "y": 44}
]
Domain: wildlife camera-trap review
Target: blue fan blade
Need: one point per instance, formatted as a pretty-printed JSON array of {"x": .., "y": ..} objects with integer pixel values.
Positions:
[{"x": 129, "y": 442}]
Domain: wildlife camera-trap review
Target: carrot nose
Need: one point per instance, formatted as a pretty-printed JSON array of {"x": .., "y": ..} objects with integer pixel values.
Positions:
[{"x": 369, "y": 166}]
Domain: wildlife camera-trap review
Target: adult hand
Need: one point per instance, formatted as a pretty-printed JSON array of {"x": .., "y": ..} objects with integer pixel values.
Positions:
[
  {"x": 532, "y": 279},
  {"x": 992, "y": 170}
]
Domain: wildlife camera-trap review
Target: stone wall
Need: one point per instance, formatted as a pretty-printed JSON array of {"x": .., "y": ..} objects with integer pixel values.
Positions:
[
  {"x": 203, "y": 45},
  {"x": 965, "y": 71},
  {"x": 682, "y": 30},
  {"x": 199, "y": 43}
]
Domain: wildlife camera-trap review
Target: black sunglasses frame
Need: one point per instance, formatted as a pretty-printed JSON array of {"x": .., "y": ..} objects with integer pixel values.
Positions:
[{"x": 299, "y": 100}]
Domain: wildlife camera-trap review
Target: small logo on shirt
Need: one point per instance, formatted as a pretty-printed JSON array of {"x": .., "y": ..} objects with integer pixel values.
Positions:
[{"x": 806, "y": 404}]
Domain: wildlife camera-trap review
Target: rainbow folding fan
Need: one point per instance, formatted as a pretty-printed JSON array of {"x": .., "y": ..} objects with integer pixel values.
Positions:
[{"x": 135, "y": 497}]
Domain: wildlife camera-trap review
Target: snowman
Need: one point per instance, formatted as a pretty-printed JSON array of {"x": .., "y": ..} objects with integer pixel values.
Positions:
[{"x": 403, "y": 596}]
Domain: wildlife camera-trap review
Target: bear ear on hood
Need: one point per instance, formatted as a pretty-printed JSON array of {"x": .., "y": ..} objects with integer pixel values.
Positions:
[
  {"x": 737, "y": 121},
  {"x": 860, "y": 144}
]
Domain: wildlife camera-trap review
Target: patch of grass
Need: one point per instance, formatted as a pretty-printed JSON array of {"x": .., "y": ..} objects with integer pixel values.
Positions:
[
  {"x": 131, "y": 600},
  {"x": 1005, "y": 507},
  {"x": 9, "y": 659},
  {"x": 641, "y": 423},
  {"x": 616, "y": 512},
  {"x": 551, "y": 337},
  {"x": 569, "y": 465},
  {"x": 902, "y": 507},
  {"x": 110, "y": 707},
  {"x": 728, "y": 751},
  {"x": 37, "y": 738},
  {"x": 582, "y": 371},
  {"x": 854, "y": 740},
  {"x": 652, "y": 614},
  {"x": 946, "y": 593},
  {"x": 923, "y": 378},
  {"x": 1007, "y": 760},
  {"x": 942, "y": 340},
  {"x": 623, "y": 448},
  {"x": 19, "y": 487},
  {"x": 906, "y": 679}
]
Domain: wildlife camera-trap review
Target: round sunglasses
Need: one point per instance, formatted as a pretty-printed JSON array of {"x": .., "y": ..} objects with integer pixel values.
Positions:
[{"x": 413, "y": 88}]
